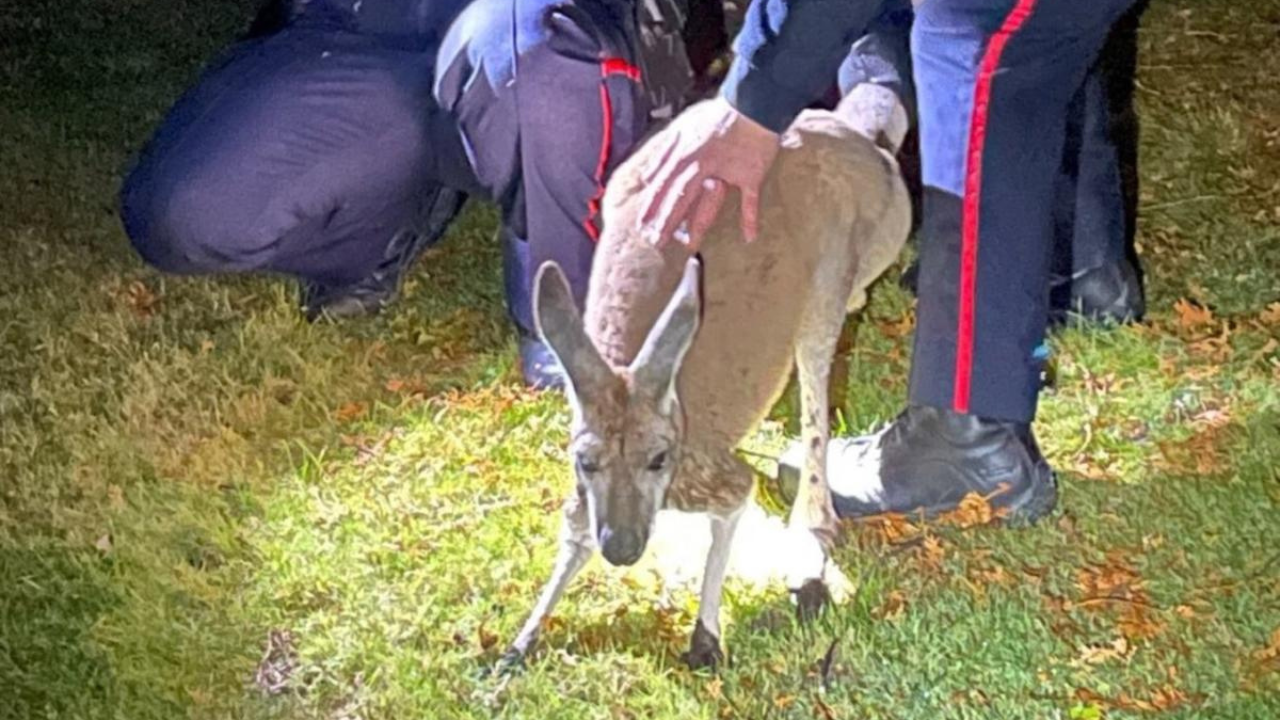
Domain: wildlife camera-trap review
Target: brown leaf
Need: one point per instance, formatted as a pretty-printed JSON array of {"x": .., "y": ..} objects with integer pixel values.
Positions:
[
  {"x": 974, "y": 510},
  {"x": 784, "y": 701},
  {"x": 140, "y": 299},
  {"x": 894, "y": 606},
  {"x": 898, "y": 328},
  {"x": 887, "y": 529},
  {"x": 1192, "y": 316},
  {"x": 409, "y": 388},
  {"x": 1139, "y": 623},
  {"x": 1270, "y": 317},
  {"x": 487, "y": 639},
  {"x": 824, "y": 710},
  {"x": 931, "y": 553},
  {"x": 1116, "y": 580},
  {"x": 1201, "y": 454},
  {"x": 714, "y": 688},
  {"x": 350, "y": 411},
  {"x": 1272, "y": 650},
  {"x": 1118, "y": 649}
]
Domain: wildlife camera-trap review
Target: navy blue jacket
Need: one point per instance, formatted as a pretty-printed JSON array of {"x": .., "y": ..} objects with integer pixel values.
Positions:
[{"x": 786, "y": 55}]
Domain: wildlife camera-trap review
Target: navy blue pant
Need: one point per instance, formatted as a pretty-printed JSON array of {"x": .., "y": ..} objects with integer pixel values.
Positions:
[
  {"x": 305, "y": 149},
  {"x": 308, "y": 146},
  {"x": 997, "y": 82}
]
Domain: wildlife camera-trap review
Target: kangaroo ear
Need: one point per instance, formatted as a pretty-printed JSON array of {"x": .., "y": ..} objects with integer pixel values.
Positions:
[
  {"x": 658, "y": 363},
  {"x": 560, "y": 326}
]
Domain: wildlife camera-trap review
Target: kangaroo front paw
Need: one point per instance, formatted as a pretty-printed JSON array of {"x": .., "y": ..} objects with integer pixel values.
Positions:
[
  {"x": 511, "y": 663},
  {"x": 704, "y": 649},
  {"x": 811, "y": 599}
]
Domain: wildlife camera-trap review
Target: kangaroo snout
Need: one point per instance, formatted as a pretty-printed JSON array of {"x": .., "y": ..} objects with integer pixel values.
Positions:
[{"x": 622, "y": 546}]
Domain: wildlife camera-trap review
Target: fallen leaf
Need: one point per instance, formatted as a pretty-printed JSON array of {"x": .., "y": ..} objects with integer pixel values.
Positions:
[
  {"x": 894, "y": 606},
  {"x": 1272, "y": 650},
  {"x": 350, "y": 411},
  {"x": 1115, "y": 580},
  {"x": 1139, "y": 623},
  {"x": 1270, "y": 317},
  {"x": 103, "y": 543},
  {"x": 714, "y": 688},
  {"x": 974, "y": 510},
  {"x": 1201, "y": 454},
  {"x": 898, "y": 328},
  {"x": 932, "y": 552},
  {"x": 784, "y": 701},
  {"x": 1118, "y": 649},
  {"x": 1191, "y": 315},
  {"x": 140, "y": 299},
  {"x": 823, "y": 709}
]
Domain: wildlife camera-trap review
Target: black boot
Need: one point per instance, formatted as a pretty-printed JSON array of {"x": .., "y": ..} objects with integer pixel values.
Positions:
[
  {"x": 1107, "y": 293},
  {"x": 381, "y": 287},
  {"x": 538, "y": 365},
  {"x": 926, "y": 461}
]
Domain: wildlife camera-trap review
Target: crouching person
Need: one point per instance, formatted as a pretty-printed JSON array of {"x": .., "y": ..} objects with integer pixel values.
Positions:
[{"x": 338, "y": 139}]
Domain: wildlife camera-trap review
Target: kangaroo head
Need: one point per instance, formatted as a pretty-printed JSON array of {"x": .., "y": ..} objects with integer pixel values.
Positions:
[{"x": 627, "y": 424}]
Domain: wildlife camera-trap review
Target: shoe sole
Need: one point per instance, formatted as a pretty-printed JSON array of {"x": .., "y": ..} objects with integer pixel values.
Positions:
[{"x": 1034, "y": 502}]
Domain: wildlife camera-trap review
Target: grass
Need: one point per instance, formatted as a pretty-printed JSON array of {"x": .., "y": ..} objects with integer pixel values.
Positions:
[{"x": 187, "y": 466}]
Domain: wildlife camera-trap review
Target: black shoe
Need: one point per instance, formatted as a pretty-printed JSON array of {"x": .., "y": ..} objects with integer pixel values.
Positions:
[
  {"x": 380, "y": 288},
  {"x": 1107, "y": 293},
  {"x": 538, "y": 365},
  {"x": 366, "y": 297},
  {"x": 927, "y": 461}
]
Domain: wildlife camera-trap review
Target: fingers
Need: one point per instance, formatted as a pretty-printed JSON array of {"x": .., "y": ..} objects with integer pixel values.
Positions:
[
  {"x": 705, "y": 212},
  {"x": 656, "y": 165},
  {"x": 671, "y": 205}
]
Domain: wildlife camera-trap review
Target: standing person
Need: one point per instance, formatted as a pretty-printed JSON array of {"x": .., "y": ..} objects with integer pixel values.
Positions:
[{"x": 995, "y": 82}]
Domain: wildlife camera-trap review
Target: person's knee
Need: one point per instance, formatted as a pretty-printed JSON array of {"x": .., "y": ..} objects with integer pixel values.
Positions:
[{"x": 180, "y": 224}]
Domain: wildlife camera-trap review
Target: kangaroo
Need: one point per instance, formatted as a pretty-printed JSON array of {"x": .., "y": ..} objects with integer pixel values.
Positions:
[{"x": 677, "y": 358}]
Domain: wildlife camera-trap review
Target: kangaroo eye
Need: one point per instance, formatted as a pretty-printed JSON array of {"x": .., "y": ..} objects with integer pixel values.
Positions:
[
  {"x": 658, "y": 461},
  {"x": 588, "y": 466}
]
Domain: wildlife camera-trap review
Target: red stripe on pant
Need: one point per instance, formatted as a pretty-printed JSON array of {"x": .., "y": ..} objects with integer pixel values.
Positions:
[
  {"x": 972, "y": 199},
  {"x": 608, "y": 68}
]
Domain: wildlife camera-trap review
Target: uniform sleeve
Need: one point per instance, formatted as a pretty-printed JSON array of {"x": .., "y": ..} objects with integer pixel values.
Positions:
[{"x": 788, "y": 52}]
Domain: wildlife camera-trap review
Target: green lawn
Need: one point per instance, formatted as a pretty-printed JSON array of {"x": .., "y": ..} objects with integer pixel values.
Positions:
[{"x": 187, "y": 469}]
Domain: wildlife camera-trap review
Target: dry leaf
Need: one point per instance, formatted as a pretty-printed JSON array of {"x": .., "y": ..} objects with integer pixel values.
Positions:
[
  {"x": 1118, "y": 649},
  {"x": 888, "y": 529},
  {"x": 1192, "y": 315},
  {"x": 714, "y": 688},
  {"x": 974, "y": 510},
  {"x": 1116, "y": 580},
  {"x": 1272, "y": 651},
  {"x": 140, "y": 299},
  {"x": 823, "y": 709},
  {"x": 894, "y": 606},
  {"x": 931, "y": 552},
  {"x": 1201, "y": 454},
  {"x": 784, "y": 701},
  {"x": 103, "y": 543},
  {"x": 1138, "y": 623},
  {"x": 350, "y": 411},
  {"x": 1271, "y": 316}
]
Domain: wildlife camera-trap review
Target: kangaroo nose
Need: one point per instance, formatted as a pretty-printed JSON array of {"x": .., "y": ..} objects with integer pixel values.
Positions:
[{"x": 621, "y": 547}]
